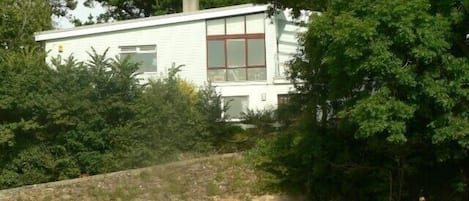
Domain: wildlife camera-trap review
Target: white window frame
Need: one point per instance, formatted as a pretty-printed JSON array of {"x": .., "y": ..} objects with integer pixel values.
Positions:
[
  {"x": 228, "y": 98},
  {"x": 138, "y": 50}
]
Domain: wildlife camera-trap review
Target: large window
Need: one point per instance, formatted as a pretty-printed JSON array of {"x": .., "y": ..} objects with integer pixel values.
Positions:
[
  {"x": 145, "y": 55},
  {"x": 237, "y": 106},
  {"x": 236, "y": 48}
]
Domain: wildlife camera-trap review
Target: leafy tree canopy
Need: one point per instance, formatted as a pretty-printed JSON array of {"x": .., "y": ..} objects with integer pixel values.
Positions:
[
  {"x": 20, "y": 19},
  {"x": 128, "y": 9},
  {"x": 384, "y": 97}
]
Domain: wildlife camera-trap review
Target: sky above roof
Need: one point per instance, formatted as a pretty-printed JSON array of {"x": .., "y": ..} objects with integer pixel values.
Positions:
[
  {"x": 150, "y": 21},
  {"x": 81, "y": 12}
]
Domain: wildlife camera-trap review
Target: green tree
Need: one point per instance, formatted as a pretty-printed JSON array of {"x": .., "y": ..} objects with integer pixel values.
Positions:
[
  {"x": 68, "y": 117},
  {"x": 26, "y": 151},
  {"x": 23, "y": 78},
  {"x": 20, "y": 19},
  {"x": 167, "y": 124},
  {"x": 93, "y": 100},
  {"x": 59, "y": 122},
  {"x": 384, "y": 93},
  {"x": 75, "y": 117},
  {"x": 125, "y": 9}
]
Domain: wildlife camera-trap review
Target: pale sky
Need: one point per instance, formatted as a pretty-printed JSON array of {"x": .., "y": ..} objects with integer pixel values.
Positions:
[{"x": 81, "y": 12}]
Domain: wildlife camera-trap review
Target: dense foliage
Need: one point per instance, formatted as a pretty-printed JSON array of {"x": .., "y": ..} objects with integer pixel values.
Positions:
[
  {"x": 94, "y": 117},
  {"x": 20, "y": 19},
  {"x": 65, "y": 118},
  {"x": 382, "y": 111},
  {"x": 381, "y": 114}
]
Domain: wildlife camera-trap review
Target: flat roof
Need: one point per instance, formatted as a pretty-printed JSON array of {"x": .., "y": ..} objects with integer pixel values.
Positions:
[{"x": 150, "y": 21}]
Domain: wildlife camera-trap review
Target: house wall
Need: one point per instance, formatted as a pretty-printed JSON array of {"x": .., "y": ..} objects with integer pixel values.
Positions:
[
  {"x": 263, "y": 94},
  {"x": 287, "y": 37},
  {"x": 181, "y": 43},
  {"x": 185, "y": 44}
]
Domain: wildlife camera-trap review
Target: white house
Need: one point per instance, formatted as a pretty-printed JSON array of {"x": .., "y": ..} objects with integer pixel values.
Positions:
[{"x": 240, "y": 49}]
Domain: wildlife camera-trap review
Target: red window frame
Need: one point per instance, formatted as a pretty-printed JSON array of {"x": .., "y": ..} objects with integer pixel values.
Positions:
[{"x": 225, "y": 37}]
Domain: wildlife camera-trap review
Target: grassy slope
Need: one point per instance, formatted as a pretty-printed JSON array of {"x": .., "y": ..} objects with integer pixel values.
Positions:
[{"x": 222, "y": 177}]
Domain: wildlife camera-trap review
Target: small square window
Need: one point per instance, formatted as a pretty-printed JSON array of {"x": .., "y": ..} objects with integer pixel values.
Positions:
[
  {"x": 237, "y": 105},
  {"x": 283, "y": 99}
]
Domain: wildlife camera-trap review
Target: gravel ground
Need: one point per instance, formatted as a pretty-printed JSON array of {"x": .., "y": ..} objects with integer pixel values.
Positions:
[{"x": 217, "y": 178}]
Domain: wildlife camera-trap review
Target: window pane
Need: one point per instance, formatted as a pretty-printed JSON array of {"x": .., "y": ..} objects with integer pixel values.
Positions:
[
  {"x": 237, "y": 105},
  {"x": 124, "y": 55},
  {"x": 235, "y": 25},
  {"x": 236, "y": 52},
  {"x": 282, "y": 99},
  {"x": 257, "y": 74},
  {"x": 236, "y": 74},
  {"x": 255, "y": 23},
  {"x": 216, "y": 27},
  {"x": 216, "y": 75},
  {"x": 216, "y": 53},
  {"x": 256, "y": 52},
  {"x": 128, "y": 48},
  {"x": 147, "y": 61},
  {"x": 147, "y": 47}
]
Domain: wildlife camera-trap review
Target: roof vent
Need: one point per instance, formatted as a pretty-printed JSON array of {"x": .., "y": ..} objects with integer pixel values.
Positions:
[{"x": 190, "y": 5}]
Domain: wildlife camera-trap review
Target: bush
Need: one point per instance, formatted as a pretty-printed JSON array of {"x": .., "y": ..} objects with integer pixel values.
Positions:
[
  {"x": 94, "y": 117},
  {"x": 166, "y": 124}
]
